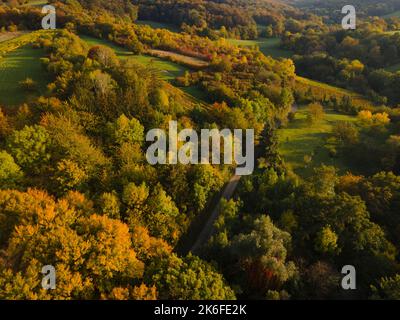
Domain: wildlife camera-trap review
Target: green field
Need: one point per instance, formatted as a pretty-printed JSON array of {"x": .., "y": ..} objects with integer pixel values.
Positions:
[
  {"x": 191, "y": 62},
  {"x": 16, "y": 66},
  {"x": 35, "y": 3},
  {"x": 270, "y": 47},
  {"x": 392, "y": 32},
  {"x": 119, "y": 51},
  {"x": 327, "y": 87},
  {"x": 393, "y": 15},
  {"x": 6, "y": 36},
  {"x": 300, "y": 139},
  {"x": 394, "y": 68},
  {"x": 321, "y": 90},
  {"x": 168, "y": 70},
  {"x": 10, "y": 41}
]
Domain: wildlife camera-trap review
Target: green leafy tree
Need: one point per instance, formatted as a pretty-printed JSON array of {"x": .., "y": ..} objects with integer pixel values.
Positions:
[
  {"x": 104, "y": 55},
  {"x": 10, "y": 172},
  {"x": 126, "y": 130},
  {"x": 315, "y": 113},
  {"x": 30, "y": 148},
  {"x": 387, "y": 289},
  {"x": 262, "y": 253},
  {"x": 163, "y": 219},
  {"x": 326, "y": 241},
  {"x": 5, "y": 126},
  {"x": 187, "y": 278}
]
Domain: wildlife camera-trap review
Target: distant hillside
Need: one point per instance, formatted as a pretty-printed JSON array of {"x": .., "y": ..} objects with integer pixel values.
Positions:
[
  {"x": 321, "y": 91},
  {"x": 120, "y": 7},
  {"x": 332, "y": 8},
  {"x": 237, "y": 17}
]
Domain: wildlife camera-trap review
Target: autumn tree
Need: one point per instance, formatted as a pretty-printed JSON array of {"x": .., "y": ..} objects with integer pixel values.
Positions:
[
  {"x": 346, "y": 133},
  {"x": 262, "y": 254},
  {"x": 92, "y": 254},
  {"x": 104, "y": 55},
  {"x": 315, "y": 113}
]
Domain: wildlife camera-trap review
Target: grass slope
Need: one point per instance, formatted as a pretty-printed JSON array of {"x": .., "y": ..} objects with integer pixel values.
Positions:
[
  {"x": 321, "y": 90},
  {"x": 6, "y": 36},
  {"x": 34, "y": 3},
  {"x": 395, "y": 14},
  {"x": 394, "y": 68},
  {"x": 18, "y": 61},
  {"x": 300, "y": 139},
  {"x": 190, "y": 62},
  {"x": 269, "y": 47},
  {"x": 11, "y": 41},
  {"x": 168, "y": 70},
  {"x": 16, "y": 66}
]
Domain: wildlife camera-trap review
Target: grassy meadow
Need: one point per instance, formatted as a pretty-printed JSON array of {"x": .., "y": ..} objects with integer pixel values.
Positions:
[
  {"x": 168, "y": 69},
  {"x": 321, "y": 90},
  {"x": 191, "y": 62},
  {"x": 10, "y": 41},
  {"x": 16, "y": 66},
  {"x": 18, "y": 61},
  {"x": 394, "y": 68},
  {"x": 6, "y": 36},
  {"x": 269, "y": 47},
  {"x": 35, "y": 3},
  {"x": 300, "y": 139},
  {"x": 395, "y": 14}
]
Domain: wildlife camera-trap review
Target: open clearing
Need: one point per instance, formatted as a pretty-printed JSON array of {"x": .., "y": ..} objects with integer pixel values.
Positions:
[
  {"x": 119, "y": 51},
  {"x": 16, "y": 66},
  {"x": 35, "y": 3},
  {"x": 14, "y": 40},
  {"x": 6, "y": 36},
  {"x": 269, "y": 47},
  {"x": 394, "y": 68},
  {"x": 179, "y": 58},
  {"x": 300, "y": 139},
  {"x": 393, "y": 15},
  {"x": 321, "y": 90},
  {"x": 168, "y": 69}
]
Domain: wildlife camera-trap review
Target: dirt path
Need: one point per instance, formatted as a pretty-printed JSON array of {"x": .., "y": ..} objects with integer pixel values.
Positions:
[
  {"x": 179, "y": 58},
  {"x": 10, "y": 35},
  {"x": 208, "y": 229}
]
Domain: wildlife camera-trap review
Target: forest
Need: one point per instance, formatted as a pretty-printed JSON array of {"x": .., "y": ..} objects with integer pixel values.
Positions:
[{"x": 77, "y": 192}]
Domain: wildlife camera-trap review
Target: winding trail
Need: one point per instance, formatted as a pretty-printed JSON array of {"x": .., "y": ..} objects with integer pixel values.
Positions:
[{"x": 208, "y": 229}]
